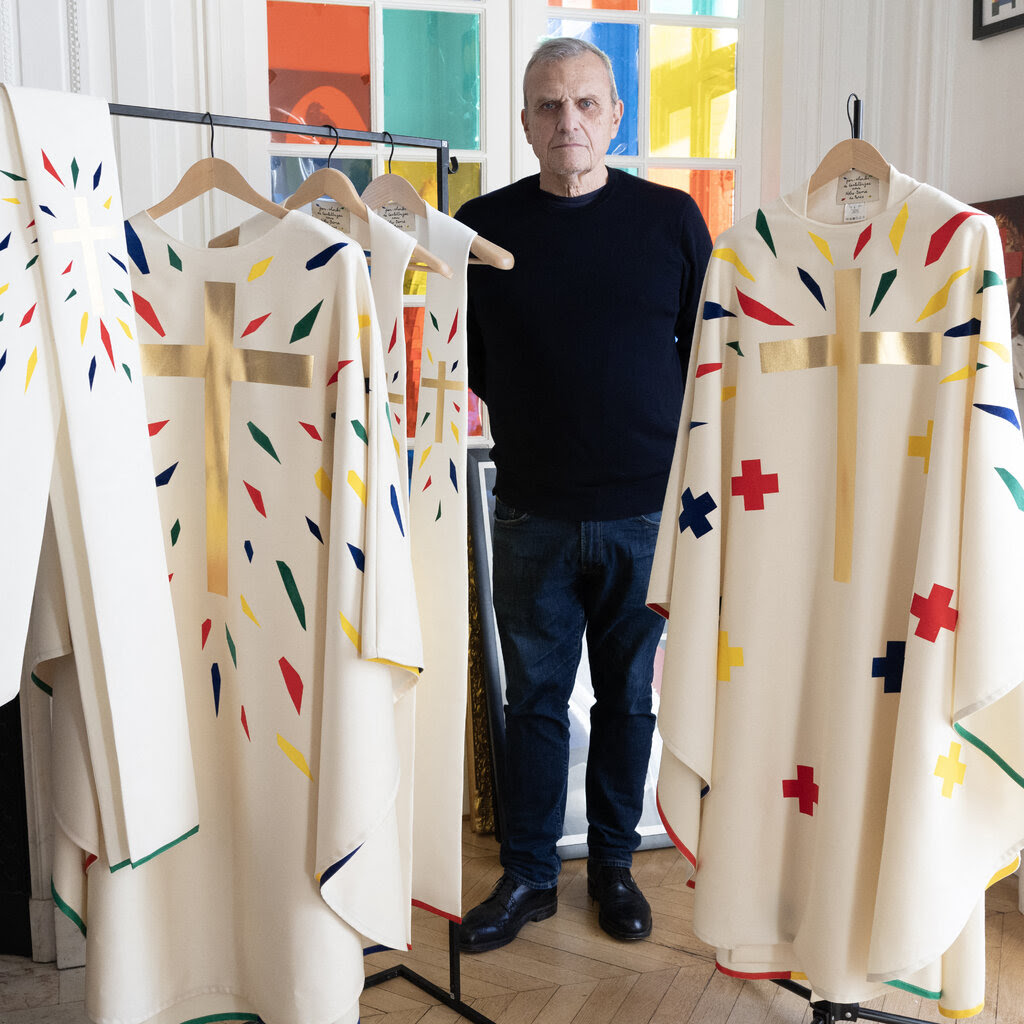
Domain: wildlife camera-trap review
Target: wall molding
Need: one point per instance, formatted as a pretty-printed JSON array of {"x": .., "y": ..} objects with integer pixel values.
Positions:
[
  {"x": 7, "y": 35},
  {"x": 74, "y": 37}
]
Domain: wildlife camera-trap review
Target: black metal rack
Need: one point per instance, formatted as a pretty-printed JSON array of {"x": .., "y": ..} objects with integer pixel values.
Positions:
[
  {"x": 317, "y": 131},
  {"x": 453, "y": 997}
]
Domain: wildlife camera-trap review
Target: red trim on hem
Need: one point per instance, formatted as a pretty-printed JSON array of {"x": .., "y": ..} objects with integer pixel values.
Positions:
[
  {"x": 663, "y": 612},
  {"x": 752, "y": 976},
  {"x": 678, "y": 843},
  {"x": 434, "y": 910}
]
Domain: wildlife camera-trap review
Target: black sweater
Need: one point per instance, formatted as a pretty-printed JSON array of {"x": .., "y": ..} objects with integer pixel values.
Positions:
[{"x": 574, "y": 350}]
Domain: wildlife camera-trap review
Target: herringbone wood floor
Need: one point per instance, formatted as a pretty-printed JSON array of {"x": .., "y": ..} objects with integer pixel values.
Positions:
[{"x": 567, "y": 971}]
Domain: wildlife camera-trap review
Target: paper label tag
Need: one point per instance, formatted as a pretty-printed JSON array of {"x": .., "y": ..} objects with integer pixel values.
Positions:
[
  {"x": 857, "y": 187},
  {"x": 853, "y": 212},
  {"x": 333, "y": 214},
  {"x": 399, "y": 216}
]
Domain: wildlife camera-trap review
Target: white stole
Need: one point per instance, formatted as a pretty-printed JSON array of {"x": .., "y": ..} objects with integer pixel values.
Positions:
[{"x": 70, "y": 384}]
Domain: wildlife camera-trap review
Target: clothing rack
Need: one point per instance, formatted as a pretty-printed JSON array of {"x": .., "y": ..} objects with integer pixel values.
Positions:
[
  {"x": 824, "y": 1012},
  {"x": 453, "y": 997},
  {"x": 440, "y": 146}
]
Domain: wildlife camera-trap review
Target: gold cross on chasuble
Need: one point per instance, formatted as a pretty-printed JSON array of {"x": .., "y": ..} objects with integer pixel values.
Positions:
[
  {"x": 220, "y": 364},
  {"x": 847, "y": 350},
  {"x": 442, "y": 385}
]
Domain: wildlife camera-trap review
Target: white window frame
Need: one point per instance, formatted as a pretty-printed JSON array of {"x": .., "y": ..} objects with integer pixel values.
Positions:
[{"x": 531, "y": 24}]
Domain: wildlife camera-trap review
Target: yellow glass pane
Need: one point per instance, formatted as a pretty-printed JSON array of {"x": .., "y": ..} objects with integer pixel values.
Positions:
[
  {"x": 713, "y": 191},
  {"x": 463, "y": 185},
  {"x": 693, "y": 92}
]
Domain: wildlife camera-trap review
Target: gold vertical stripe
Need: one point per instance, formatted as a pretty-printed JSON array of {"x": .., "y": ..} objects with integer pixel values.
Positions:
[
  {"x": 847, "y": 327},
  {"x": 219, "y": 321}
]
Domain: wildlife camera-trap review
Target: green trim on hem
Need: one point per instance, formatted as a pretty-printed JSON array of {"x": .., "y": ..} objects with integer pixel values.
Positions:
[
  {"x": 915, "y": 990},
  {"x": 66, "y": 910},
  {"x": 174, "y": 842},
  {"x": 211, "y": 1018},
  {"x": 990, "y": 753},
  {"x": 46, "y": 688},
  {"x": 156, "y": 853}
]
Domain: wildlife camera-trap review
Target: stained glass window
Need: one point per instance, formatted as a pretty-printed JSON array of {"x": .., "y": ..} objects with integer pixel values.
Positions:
[
  {"x": 288, "y": 172},
  {"x": 596, "y": 5},
  {"x": 693, "y": 92},
  {"x": 713, "y": 191},
  {"x": 432, "y": 75},
  {"x": 621, "y": 41},
  {"x": 319, "y": 66},
  {"x": 701, "y": 8}
]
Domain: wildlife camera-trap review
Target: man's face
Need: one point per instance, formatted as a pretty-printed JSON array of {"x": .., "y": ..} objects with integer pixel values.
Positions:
[{"x": 570, "y": 118}]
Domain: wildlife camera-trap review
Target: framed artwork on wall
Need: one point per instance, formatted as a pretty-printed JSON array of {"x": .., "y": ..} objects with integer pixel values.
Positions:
[{"x": 994, "y": 16}]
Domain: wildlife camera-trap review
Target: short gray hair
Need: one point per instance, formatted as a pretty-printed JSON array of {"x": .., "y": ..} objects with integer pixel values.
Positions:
[{"x": 551, "y": 51}]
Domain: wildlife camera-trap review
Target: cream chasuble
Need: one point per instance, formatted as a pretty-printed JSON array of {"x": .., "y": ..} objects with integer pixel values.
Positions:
[
  {"x": 390, "y": 250},
  {"x": 71, "y": 405},
  {"x": 437, "y": 501},
  {"x": 286, "y": 533},
  {"x": 841, "y": 550}
]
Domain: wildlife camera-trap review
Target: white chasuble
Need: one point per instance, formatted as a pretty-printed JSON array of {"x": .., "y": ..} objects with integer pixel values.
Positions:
[
  {"x": 287, "y": 542},
  {"x": 72, "y": 409},
  {"x": 389, "y": 249},
  {"x": 437, "y": 500},
  {"x": 841, "y": 552}
]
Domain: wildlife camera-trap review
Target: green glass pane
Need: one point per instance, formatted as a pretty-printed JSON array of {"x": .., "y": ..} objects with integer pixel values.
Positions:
[
  {"x": 432, "y": 76},
  {"x": 700, "y": 8},
  {"x": 713, "y": 191},
  {"x": 463, "y": 185},
  {"x": 287, "y": 173},
  {"x": 319, "y": 66},
  {"x": 693, "y": 92}
]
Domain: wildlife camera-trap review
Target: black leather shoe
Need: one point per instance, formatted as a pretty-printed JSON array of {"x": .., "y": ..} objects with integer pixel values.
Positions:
[
  {"x": 625, "y": 914},
  {"x": 497, "y": 920}
]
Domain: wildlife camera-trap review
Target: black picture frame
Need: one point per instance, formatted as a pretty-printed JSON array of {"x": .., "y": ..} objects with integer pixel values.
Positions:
[{"x": 1005, "y": 21}]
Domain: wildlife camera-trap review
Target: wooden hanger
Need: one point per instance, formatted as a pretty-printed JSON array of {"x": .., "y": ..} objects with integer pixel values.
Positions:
[
  {"x": 330, "y": 182},
  {"x": 213, "y": 173},
  {"x": 393, "y": 189},
  {"x": 850, "y": 154}
]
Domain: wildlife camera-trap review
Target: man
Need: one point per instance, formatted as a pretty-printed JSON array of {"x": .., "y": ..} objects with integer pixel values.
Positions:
[{"x": 575, "y": 353}]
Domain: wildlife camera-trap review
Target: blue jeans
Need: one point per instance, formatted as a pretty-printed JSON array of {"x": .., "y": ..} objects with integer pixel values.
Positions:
[{"x": 554, "y": 579}]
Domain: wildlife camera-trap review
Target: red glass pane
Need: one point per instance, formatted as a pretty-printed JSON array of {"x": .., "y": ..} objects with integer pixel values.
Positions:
[{"x": 319, "y": 66}]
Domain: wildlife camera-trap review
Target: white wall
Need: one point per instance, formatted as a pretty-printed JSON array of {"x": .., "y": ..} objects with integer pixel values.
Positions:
[{"x": 941, "y": 106}]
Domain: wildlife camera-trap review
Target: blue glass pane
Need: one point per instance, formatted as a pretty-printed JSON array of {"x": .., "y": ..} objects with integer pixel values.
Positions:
[
  {"x": 432, "y": 76},
  {"x": 287, "y": 173},
  {"x": 622, "y": 44},
  {"x": 701, "y": 8}
]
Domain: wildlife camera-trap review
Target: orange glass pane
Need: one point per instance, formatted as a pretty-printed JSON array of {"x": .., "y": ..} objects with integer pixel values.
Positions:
[
  {"x": 596, "y": 5},
  {"x": 713, "y": 191},
  {"x": 414, "y": 316},
  {"x": 319, "y": 66}
]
